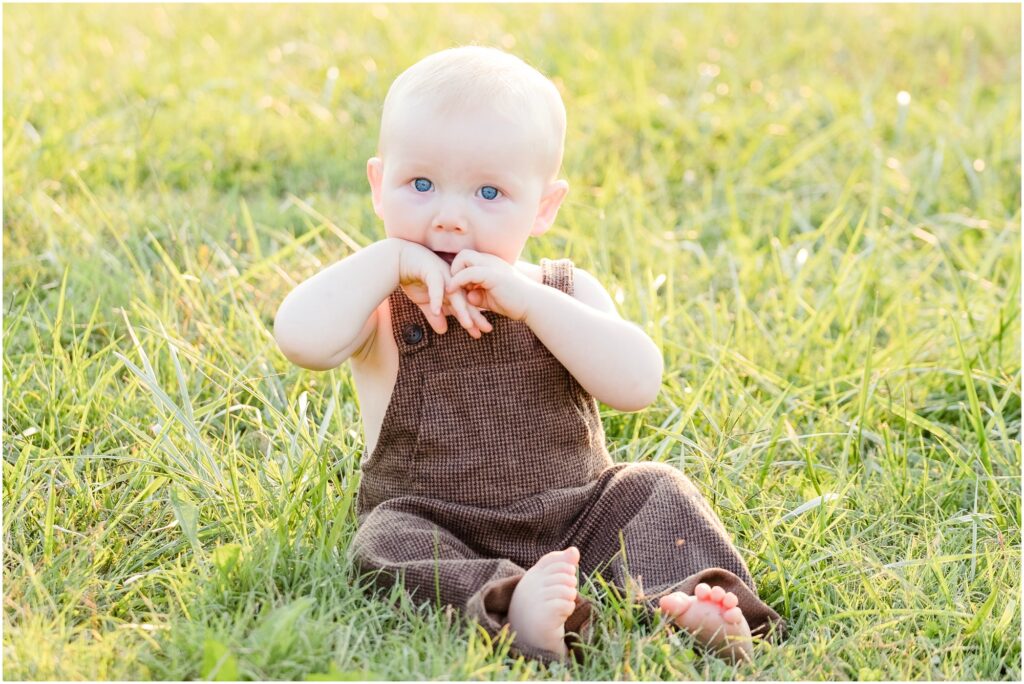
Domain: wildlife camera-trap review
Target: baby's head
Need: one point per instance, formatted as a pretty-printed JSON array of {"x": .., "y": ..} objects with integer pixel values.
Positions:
[{"x": 470, "y": 147}]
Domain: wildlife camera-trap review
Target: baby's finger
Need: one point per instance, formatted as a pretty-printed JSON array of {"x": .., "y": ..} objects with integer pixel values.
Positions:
[
  {"x": 463, "y": 259},
  {"x": 461, "y": 309},
  {"x": 481, "y": 321},
  {"x": 435, "y": 289},
  {"x": 474, "y": 274},
  {"x": 438, "y": 322}
]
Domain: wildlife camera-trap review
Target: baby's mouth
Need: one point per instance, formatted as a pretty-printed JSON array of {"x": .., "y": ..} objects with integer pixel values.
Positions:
[{"x": 449, "y": 257}]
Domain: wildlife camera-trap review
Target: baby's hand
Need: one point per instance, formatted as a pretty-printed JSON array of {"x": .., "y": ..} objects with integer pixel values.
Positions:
[
  {"x": 457, "y": 305},
  {"x": 490, "y": 282},
  {"x": 424, "y": 278}
]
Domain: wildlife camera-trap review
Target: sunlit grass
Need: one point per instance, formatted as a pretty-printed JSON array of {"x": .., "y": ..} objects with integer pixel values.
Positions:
[{"x": 831, "y": 268}]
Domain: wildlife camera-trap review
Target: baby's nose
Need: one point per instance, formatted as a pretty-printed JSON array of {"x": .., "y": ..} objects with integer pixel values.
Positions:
[{"x": 450, "y": 217}]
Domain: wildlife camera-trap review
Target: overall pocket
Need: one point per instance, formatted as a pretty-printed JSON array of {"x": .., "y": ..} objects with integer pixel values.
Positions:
[{"x": 493, "y": 435}]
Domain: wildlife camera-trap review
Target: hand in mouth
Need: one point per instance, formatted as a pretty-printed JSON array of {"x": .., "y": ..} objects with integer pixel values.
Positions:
[{"x": 448, "y": 257}]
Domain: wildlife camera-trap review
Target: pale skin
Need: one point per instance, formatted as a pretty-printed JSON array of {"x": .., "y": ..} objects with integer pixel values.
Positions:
[{"x": 458, "y": 206}]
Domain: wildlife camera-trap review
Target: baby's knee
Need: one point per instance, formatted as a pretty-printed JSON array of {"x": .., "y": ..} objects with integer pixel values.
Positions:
[
  {"x": 386, "y": 536},
  {"x": 378, "y": 533},
  {"x": 649, "y": 476},
  {"x": 364, "y": 541}
]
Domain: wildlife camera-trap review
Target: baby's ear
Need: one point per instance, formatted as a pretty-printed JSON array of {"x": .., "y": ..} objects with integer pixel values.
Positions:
[
  {"x": 375, "y": 174},
  {"x": 550, "y": 201}
]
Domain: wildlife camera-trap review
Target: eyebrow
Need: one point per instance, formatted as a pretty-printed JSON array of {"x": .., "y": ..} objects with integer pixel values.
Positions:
[{"x": 404, "y": 165}]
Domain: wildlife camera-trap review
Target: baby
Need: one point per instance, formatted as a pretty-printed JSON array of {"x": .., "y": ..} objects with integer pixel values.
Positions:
[{"x": 486, "y": 483}]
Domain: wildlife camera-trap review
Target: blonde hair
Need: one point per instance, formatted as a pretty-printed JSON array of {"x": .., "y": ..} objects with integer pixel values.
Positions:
[{"x": 458, "y": 78}]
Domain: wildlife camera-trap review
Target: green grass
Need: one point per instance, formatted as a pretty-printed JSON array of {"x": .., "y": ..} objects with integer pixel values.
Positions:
[{"x": 834, "y": 281}]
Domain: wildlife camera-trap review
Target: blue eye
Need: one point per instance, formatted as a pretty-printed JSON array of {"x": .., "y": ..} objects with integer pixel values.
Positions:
[
  {"x": 489, "y": 192},
  {"x": 422, "y": 185}
]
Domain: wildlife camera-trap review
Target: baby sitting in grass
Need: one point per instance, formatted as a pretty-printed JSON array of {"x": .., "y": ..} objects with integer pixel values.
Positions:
[{"x": 486, "y": 483}]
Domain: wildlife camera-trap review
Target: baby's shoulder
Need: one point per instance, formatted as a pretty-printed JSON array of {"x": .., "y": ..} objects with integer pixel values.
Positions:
[
  {"x": 532, "y": 271},
  {"x": 586, "y": 288},
  {"x": 590, "y": 291}
]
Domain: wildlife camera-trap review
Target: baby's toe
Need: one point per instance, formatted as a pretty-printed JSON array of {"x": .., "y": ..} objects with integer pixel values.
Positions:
[
  {"x": 563, "y": 569},
  {"x": 702, "y": 591},
  {"x": 563, "y": 607},
  {"x": 730, "y": 600},
  {"x": 559, "y": 579},
  {"x": 569, "y": 556},
  {"x": 733, "y": 615},
  {"x": 717, "y": 594},
  {"x": 560, "y": 591},
  {"x": 676, "y": 603}
]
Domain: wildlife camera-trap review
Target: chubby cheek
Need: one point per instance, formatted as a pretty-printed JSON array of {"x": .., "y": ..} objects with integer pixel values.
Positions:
[
  {"x": 404, "y": 219},
  {"x": 504, "y": 237}
]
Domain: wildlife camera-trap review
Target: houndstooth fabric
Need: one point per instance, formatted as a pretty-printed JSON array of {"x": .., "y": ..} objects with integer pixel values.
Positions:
[{"x": 492, "y": 455}]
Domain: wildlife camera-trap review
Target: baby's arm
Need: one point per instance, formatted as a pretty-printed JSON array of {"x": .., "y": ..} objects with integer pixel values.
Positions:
[
  {"x": 334, "y": 314},
  {"x": 330, "y": 316},
  {"x": 613, "y": 359}
]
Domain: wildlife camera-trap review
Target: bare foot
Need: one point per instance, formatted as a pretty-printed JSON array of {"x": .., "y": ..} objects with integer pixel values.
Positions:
[
  {"x": 544, "y": 599},
  {"x": 713, "y": 618}
]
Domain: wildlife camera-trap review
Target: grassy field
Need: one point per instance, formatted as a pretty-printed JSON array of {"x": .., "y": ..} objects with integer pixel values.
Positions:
[{"x": 832, "y": 271}]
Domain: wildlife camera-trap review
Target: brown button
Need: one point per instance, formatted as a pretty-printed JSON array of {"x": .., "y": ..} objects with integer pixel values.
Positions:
[{"x": 413, "y": 334}]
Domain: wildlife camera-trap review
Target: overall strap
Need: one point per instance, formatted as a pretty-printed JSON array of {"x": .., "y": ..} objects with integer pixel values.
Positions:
[
  {"x": 408, "y": 324},
  {"x": 558, "y": 274}
]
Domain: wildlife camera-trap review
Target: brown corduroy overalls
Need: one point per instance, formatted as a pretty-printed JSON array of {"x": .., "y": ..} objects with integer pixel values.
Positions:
[{"x": 491, "y": 455}]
